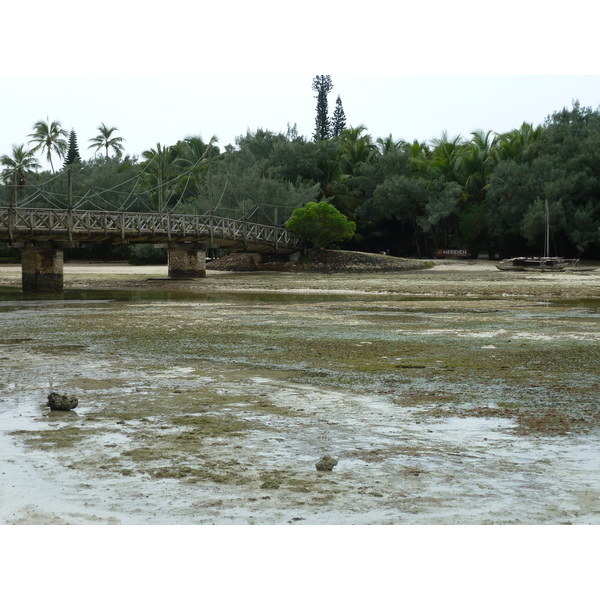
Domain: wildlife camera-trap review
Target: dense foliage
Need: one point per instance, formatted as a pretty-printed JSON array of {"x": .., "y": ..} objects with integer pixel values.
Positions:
[
  {"x": 485, "y": 194},
  {"x": 321, "y": 223}
]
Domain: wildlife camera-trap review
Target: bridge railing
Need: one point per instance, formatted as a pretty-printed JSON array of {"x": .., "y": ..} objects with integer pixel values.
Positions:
[{"x": 82, "y": 225}]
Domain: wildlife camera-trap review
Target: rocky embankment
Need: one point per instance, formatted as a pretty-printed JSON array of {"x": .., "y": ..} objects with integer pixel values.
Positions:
[{"x": 320, "y": 261}]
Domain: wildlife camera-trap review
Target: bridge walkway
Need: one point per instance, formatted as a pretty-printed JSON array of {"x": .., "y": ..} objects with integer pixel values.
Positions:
[{"x": 44, "y": 233}]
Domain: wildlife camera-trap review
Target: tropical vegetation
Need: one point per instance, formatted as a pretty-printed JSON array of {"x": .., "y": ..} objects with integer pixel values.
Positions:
[
  {"x": 106, "y": 140},
  {"x": 485, "y": 193},
  {"x": 18, "y": 167},
  {"x": 321, "y": 223},
  {"x": 72, "y": 156},
  {"x": 49, "y": 137}
]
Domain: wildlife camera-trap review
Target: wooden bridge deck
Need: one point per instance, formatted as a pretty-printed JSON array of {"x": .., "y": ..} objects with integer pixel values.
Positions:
[{"x": 22, "y": 225}]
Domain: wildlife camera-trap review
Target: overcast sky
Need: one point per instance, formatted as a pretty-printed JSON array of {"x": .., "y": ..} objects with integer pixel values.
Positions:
[{"x": 162, "y": 72}]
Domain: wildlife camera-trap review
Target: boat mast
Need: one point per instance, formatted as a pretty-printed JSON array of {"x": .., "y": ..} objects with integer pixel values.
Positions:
[{"x": 547, "y": 231}]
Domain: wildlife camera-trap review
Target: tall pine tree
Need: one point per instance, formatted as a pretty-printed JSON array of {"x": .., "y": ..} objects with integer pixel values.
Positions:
[
  {"x": 339, "y": 119},
  {"x": 322, "y": 84},
  {"x": 72, "y": 150}
]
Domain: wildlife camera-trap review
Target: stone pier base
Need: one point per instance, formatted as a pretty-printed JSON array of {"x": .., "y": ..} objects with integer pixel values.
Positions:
[
  {"x": 186, "y": 261},
  {"x": 42, "y": 269}
]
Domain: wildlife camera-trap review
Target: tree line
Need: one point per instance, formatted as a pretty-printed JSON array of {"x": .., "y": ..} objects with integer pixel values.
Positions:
[{"x": 485, "y": 194}]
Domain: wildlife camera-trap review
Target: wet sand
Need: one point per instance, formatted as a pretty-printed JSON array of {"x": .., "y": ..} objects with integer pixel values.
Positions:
[
  {"x": 447, "y": 278},
  {"x": 181, "y": 423}
]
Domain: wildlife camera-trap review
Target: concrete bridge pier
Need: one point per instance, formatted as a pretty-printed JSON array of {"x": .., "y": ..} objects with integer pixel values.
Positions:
[
  {"x": 42, "y": 268},
  {"x": 187, "y": 261}
]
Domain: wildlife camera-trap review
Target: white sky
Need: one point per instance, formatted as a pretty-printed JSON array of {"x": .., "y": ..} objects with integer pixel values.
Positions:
[{"x": 160, "y": 73}]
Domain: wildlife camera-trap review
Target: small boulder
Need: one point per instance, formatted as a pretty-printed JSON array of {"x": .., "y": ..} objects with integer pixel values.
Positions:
[
  {"x": 61, "y": 401},
  {"x": 326, "y": 463}
]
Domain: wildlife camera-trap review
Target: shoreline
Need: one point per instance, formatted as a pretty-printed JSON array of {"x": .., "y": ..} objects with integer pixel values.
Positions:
[{"x": 447, "y": 278}]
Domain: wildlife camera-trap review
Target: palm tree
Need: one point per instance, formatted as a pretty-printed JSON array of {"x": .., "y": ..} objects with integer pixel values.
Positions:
[
  {"x": 183, "y": 167},
  {"x": 520, "y": 145},
  {"x": 479, "y": 159},
  {"x": 49, "y": 137},
  {"x": 194, "y": 152},
  {"x": 18, "y": 166},
  {"x": 447, "y": 158},
  {"x": 388, "y": 145},
  {"x": 106, "y": 141},
  {"x": 345, "y": 156},
  {"x": 159, "y": 174},
  {"x": 356, "y": 148},
  {"x": 417, "y": 150}
]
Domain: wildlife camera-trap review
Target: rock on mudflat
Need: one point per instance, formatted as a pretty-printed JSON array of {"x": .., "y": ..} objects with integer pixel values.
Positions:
[
  {"x": 326, "y": 463},
  {"x": 61, "y": 401}
]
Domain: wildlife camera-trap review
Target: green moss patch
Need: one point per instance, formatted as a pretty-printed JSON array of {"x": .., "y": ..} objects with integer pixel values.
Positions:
[
  {"x": 209, "y": 426},
  {"x": 53, "y": 439},
  {"x": 221, "y": 474}
]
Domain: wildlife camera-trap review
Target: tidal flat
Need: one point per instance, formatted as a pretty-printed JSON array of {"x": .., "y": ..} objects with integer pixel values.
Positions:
[{"x": 459, "y": 395}]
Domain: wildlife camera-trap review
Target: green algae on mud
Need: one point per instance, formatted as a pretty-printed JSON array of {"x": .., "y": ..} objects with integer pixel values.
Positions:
[
  {"x": 59, "y": 439},
  {"x": 415, "y": 355},
  {"x": 240, "y": 394}
]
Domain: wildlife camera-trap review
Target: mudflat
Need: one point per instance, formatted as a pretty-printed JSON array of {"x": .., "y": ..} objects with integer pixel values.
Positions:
[{"x": 456, "y": 394}]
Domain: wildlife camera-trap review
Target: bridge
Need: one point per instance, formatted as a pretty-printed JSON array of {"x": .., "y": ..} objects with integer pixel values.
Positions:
[{"x": 43, "y": 233}]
